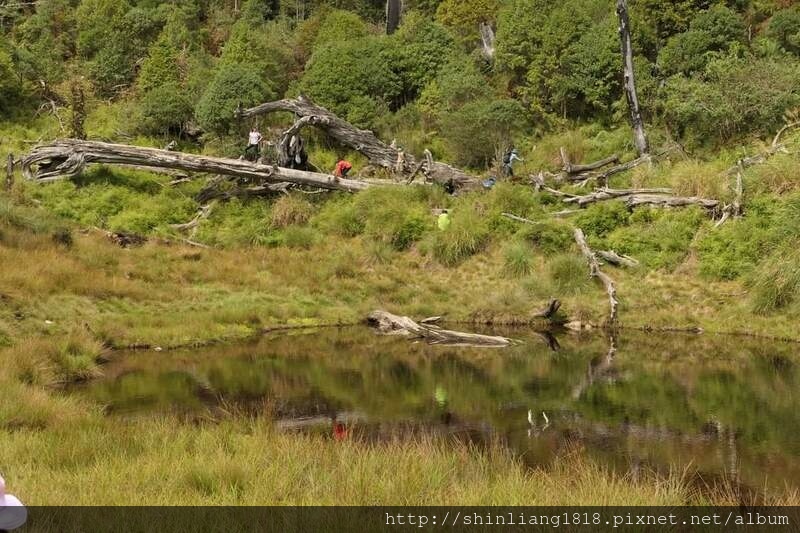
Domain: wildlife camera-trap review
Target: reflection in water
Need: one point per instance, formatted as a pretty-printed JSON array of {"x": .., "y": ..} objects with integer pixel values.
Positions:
[{"x": 721, "y": 406}]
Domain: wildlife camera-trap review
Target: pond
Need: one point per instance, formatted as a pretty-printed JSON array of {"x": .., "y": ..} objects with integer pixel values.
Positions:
[{"x": 716, "y": 407}]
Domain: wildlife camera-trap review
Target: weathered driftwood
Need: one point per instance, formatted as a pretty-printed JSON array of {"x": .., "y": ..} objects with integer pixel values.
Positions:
[
  {"x": 390, "y": 324},
  {"x": 363, "y": 141},
  {"x": 629, "y": 83},
  {"x": 569, "y": 168},
  {"x": 661, "y": 200},
  {"x": 613, "y": 258},
  {"x": 605, "y": 193},
  {"x": 65, "y": 158},
  {"x": 594, "y": 271},
  {"x": 202, "y": 213}
]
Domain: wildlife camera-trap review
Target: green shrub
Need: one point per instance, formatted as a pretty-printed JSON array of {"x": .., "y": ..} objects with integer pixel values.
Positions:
[
  {"x": 518, "y": 258},
  {"x": 165, "y": 109},
  {"x": 299, "y": 237},
  {"x": 775, "y": 282},
  {"x": 569, "y": 273},
  {"x": 603, "y": 217},
  {"x": 549, "y": 236},
  {"x": 232, "y": 85},
  {"x": 657, "y": 238},
  {"x": 784, "y": 28},
  {"x": 467, "y": 235},
  {"x": 340, "y": 217}
]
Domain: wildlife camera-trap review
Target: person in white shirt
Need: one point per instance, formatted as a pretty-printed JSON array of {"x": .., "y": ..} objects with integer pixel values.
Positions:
[
  {"x": 13, "y": 514},
  {"x": 253, "y": 149}
]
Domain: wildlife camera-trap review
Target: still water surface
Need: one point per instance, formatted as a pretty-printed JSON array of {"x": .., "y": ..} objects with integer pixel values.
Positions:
[{"x": 717, "y": 407}]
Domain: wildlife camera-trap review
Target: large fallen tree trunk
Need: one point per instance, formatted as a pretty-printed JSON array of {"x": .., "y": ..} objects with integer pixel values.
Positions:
[
  {"x": 595, "y": 272},
  {"x": 600, "y": 195},
  {"x": 570, "y": 168},
  {"x": 660, "y": 200},
  {"x": 390, "y": 324},
  {"x": 69, "y": 157},
  {"x": 363, "y": 141}
]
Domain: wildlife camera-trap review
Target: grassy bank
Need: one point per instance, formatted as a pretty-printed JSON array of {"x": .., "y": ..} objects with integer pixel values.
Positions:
[{"x": 69, "y": 295}]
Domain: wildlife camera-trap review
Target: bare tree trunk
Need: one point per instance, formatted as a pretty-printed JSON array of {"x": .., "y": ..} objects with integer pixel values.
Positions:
[
  {"x": 487, "y": 40},
  {"x": 394, "y": 9},
  {"x": 363, "y": 141},
  {"x": 10, "y": 172},
  {"x": 639, "y": 136},
  {"x": 69, "y": 157}
]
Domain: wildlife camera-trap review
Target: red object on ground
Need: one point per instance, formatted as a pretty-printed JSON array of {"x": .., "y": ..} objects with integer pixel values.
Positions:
[
  {"x": 340, "y": 431},
  {"x": 342, "y": 168}
]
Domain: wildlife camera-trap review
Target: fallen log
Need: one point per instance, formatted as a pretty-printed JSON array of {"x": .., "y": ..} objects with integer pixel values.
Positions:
[
  {"x": 390, "y": 324},
  {"x": 569, "y": 168},
  {"x": 595, "y": 272},
  {"x": 68, "y": 157},
  {"x": 612, "y": 257},
  {"x": 549, "y": 312},
  {"x": 660, "y": 200},
  {"x": 602, "y": 194},
  {"x": 363, "y": 141}
]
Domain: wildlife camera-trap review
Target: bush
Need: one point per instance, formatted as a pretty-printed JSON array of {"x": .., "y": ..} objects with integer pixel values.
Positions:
[
  {"x": 232, "y": 85},
  {"x": 784, "y": 28},
  {"x": 340, "y": 217},
  {"x": 518, "y": 258},
  {"x": 715, "y": 30},
  {"x": 569, "y": 273},
  {"x": 477, "y": 132},
  {"x": 290, "y": 210},
  {"x": 165, "y": 109},
  {"x": 354, "y": 79},
  {"x": 466, "y": 236},
  {"x": 603, "y": 217},
  {"x": 657, "y": 238},
  {"x": 736, "y": 96},
  {"x": 775, "y": 283},
  {"x": 549, "y": 236},
  {"x": 299, "y": 237}
]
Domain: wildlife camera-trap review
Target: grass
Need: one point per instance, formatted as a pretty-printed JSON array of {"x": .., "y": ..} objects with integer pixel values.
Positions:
[
  {"x": 163, "y": 461},
  {"x": 67, "y": 294}
]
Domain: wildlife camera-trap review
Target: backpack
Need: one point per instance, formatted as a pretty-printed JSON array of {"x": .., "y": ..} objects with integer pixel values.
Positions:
[{"x": 507, "y": 158}]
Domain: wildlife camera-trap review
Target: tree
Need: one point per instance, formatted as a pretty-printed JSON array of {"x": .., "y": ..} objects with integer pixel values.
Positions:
[
  {"x": 715, "y": 31},
  {"x": 165, "y": 109},
  {"x": 233, "y": 85},
  {"x": 354, "y": 79},
  {"x": 464, "y": 16},
  {"x": 479, "y": 130},
  {"x": 11, "y": 87},
  {"x": 629, "y": 83},
  {"x": 784, "y": 28}
]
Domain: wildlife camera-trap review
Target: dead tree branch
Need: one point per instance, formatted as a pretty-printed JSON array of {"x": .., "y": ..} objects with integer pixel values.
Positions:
[
  {"x": 613, "y": 258},
  {"x": 595, "y": 272}
]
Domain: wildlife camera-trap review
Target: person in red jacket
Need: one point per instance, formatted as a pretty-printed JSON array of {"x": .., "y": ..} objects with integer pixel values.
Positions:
[{"x": 343, "y": 167}]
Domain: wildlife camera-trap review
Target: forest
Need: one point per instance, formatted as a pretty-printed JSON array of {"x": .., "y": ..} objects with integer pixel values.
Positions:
[{"x": 656, "y": 187}]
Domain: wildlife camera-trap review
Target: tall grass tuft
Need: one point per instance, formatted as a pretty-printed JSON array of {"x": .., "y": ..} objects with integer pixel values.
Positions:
[
  {"x": 466, "y": 236},
  {"x": 518, "y": 259},
  {"x": 775, "y": 283},
  {"x": 291, "y": 210},
  {"x": 569, "y": 273}
]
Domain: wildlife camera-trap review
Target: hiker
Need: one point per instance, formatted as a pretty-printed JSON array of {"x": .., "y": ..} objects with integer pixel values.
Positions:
[
  {"x": 343, "y": 167},
  {"x": 12, "y": 513},
  {"x": 508, "y": 162},
  {"x": 253, "y": 149}
]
